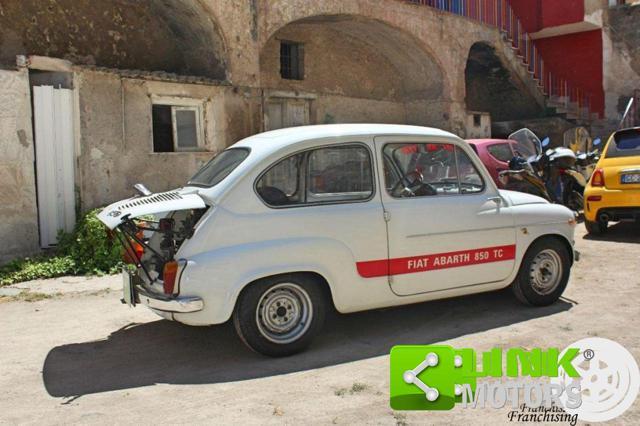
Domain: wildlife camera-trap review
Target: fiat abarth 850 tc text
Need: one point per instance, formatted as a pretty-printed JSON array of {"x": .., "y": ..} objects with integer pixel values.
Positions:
[{"x": 282, "y": 224}]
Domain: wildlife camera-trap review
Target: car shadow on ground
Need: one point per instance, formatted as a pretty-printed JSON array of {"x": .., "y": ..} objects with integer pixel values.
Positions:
[
  {"x": 621, "y": 232},
  {"x": 168, "y": 352}
]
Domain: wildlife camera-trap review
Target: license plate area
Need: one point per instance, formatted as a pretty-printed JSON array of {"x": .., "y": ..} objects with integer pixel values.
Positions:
[
  {"x": 630, "y": 178},
  {"x": 128, "y": 288}
]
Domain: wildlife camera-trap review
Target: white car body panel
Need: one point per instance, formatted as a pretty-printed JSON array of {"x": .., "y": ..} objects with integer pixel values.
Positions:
[
  {"x": 162, "y": 202},
  {"x": 241, "y": 239}
]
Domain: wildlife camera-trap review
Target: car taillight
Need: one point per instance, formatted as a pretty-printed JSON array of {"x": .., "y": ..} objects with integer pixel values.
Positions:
[
  {"x": 169, "y": 274},
  {"x": 598, "y": 178}
]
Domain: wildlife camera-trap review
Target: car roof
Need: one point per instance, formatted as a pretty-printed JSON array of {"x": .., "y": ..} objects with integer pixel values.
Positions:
[
  {"x": 482, "y": 142},
  {"x": 276, "y": 139}
]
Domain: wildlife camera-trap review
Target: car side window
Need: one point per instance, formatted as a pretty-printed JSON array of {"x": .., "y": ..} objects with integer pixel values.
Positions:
[
  {"x": 327, "y": 174},
  {"x": 281, "y": 184},
  {"x": 470, "y": 179},
  {"x": 339, "y": 174},
  {"x": 501, "y": 152},
  {"x": 429, "y": 169}
]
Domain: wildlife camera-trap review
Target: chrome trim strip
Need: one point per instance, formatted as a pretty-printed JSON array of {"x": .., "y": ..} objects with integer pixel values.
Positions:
[
  {"x": 460, "y": 232},
  {"x": 634, "y": 170},
  {"x": 523, "y": 225},
  {"x": 169, "y": 304}
]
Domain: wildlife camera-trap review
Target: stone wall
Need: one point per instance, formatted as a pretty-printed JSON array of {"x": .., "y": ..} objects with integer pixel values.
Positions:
[
  {"x": 621, "y": 43},
  {"x": 18, "y": 213},
  {"x": 116, "y": 143}
]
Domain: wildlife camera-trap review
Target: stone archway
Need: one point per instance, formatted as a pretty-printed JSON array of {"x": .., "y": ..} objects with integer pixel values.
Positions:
[
  {"x": 355, "y": 69},
  {"x": 156, "y": 35},
  {"x": 491, "y": 87}
]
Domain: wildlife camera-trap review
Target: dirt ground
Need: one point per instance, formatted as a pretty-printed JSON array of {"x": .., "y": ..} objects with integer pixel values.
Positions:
[{"x": 71, "y": 353}]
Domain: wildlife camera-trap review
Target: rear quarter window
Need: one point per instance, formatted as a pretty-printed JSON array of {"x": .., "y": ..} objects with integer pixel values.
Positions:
[
  {"x": 625, "y": 143},
  {"x": 501, "y": 152}
]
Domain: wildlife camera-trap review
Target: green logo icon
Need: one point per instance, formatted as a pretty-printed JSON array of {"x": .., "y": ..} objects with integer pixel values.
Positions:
[
  {"x": 436, "y": 377},
  {"x": 430, "y": 377}
]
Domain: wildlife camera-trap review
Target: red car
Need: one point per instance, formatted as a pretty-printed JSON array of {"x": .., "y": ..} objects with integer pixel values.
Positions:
[{"x": 495, "y": 154}]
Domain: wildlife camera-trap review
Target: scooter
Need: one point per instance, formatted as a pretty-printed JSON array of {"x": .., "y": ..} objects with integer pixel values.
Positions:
[
  {"x": 586, "y": 161},
  {"x": 546, "y": 172},
  {"x": 523, "y": 173},
  {"x": 564, "y": 182},
  {"x": 523, "y": 178}
]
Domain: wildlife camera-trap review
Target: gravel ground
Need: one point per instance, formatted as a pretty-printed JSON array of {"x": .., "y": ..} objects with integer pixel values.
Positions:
[{"x": 71, "y": 353}]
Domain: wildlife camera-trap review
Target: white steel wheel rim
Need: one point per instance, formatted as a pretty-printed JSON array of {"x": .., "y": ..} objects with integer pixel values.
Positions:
[
  {"x": 284, "y": 313},
  {"x": 545, "y": 272}
]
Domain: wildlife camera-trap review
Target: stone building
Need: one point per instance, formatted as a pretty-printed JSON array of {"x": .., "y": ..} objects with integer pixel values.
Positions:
[{"x": 97, "y": 96}]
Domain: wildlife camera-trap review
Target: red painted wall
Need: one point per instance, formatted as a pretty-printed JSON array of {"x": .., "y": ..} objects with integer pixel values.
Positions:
[
  {"x": 577, "y": 58},
  {"x": 528, "y": 11},
  {"x": 563, "y": 12},
  {"x": 538, "y": 14}
]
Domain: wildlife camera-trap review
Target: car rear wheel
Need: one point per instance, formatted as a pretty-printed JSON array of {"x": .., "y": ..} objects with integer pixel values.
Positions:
[
  {"x": 279, "y": 316},
  {"x": 543, "y": 274},
  {"x": 595, "y": 228}
]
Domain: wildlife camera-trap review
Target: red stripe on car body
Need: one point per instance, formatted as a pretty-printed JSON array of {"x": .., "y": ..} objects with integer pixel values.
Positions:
[{"x": 432, "y": 262}]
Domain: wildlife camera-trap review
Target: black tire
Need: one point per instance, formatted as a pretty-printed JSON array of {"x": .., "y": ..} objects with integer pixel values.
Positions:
[
  {"x": 595, "y": 228},
  {"x": 529, "y": 286},
  {"x": 283, "y": 299}
]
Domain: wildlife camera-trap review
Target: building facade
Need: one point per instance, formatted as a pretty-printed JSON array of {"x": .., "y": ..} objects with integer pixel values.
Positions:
[{"x": 97, "y": 96}]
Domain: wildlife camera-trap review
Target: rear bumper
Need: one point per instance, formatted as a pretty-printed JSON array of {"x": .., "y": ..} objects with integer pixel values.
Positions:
[
  {"x": 618, "y": 204},
  {"x": 168, "y": 303}
]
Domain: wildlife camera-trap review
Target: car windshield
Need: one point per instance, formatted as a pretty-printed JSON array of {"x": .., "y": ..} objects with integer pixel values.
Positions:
[
  {"x": 625, "y": 143},
  {"x": 219, "y": 167},
  {"x": 528, "y": 144}
]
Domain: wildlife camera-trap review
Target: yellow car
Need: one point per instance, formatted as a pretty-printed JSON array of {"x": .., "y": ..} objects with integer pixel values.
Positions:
[{"x": 613, "y": 192}]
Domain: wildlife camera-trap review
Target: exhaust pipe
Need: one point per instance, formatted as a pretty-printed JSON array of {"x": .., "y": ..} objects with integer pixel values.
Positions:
[{"x": 604, "y": 217}]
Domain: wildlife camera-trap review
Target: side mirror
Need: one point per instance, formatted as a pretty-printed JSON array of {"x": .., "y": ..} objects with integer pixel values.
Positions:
[
  {"x": 545, "y": 142},
  {"x": 142, "y": 190}
]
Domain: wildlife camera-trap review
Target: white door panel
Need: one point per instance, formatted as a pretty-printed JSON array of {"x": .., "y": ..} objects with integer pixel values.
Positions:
[
  {"x": 54, "y": 142},
  {"x": 439, "y": 242}
]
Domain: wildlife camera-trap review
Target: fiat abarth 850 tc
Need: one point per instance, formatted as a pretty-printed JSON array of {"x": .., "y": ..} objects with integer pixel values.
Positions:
[{"x": 282, "y": 224}]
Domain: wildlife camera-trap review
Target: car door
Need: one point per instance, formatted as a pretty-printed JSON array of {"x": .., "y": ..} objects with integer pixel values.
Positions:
[{"x": 447, "y": 225}]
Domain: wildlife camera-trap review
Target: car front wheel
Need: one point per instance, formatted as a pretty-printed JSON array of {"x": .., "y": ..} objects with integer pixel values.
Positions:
[
  {"x": 543, "y": 274},
  {"x": 595, "y": 228},
  {"x": 279, "y": 316}
]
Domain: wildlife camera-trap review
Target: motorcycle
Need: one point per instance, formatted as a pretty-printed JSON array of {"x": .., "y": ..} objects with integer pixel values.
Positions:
[
  {"x": 523, "y": 174},
  {"x": 586, "y": 161},
  {"x": 546, "y": 172},
  {"x": 587, "y": 150},
  {"x": 565, "y": 183}
]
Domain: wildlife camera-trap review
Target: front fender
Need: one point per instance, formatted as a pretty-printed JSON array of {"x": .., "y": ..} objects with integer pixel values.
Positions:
[{"x": 218, "y": 276}]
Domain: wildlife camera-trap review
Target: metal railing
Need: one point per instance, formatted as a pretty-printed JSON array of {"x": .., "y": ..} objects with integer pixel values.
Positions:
[
  {"x": 500, "y": 14},
  {"x": 631, "y": 115}
]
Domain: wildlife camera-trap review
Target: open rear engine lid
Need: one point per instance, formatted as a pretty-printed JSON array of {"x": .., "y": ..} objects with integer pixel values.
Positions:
[{"x": 161, "y": 202}]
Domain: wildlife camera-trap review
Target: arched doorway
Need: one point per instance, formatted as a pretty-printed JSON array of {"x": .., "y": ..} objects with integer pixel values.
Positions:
[
  {"x": 345, "y": 68},
  {"x": 491, "y": 87},
  {"x": 155, "y": 35}
]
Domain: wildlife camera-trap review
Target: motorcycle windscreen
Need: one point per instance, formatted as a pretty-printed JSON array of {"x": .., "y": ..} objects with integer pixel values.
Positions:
[
  {"x": 527, "y": 143},
  {"x": 577, "y": 139}
]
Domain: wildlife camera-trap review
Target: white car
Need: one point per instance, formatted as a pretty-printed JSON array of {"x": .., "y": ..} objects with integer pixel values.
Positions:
[{"x": 283, "y": 224}]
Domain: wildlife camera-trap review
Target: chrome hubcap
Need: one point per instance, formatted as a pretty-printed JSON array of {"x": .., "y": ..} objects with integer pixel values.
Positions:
[
  {"x": 546, "y": 272},
  {"x": 284, "y": 313}
]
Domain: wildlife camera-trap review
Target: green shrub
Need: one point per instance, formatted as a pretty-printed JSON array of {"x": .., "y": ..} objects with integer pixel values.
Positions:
[
  {"x": 90, "y": 246},
  {"x": 87, "y": 250}
]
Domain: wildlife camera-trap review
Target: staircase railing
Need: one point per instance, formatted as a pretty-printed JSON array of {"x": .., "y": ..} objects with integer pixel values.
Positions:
[
  {"x": 631, "y": 117},
  {"x": 499, "y": 13}
]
